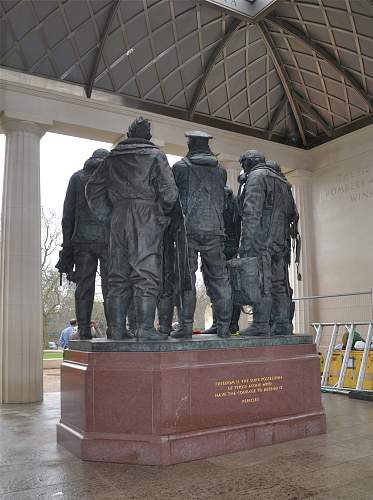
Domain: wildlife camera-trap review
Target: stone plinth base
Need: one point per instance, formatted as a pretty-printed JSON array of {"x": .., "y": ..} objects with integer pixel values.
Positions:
[{"x": 172, "y": 401}]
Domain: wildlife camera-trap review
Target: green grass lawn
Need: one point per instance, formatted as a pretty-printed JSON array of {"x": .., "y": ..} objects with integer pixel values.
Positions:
[{"x": 52, "y": 355}]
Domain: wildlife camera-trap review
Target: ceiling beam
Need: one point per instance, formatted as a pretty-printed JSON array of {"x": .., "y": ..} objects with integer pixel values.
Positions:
[
  {"x": 104, "y": 36},
  {"x": 310, "y": 110},
  {"x": 294, "y": 31},
  {"x": 276, "y": 116},
  {"x": 284, "y": 78},
  {"x": 230, "y": 30}
]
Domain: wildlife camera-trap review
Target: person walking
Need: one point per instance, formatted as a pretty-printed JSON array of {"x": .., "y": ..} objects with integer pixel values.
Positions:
[{"x": 67, "y": 333}]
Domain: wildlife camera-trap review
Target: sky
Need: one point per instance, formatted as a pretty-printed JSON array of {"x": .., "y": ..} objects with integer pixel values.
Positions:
[{"x": 60, "y": 157}]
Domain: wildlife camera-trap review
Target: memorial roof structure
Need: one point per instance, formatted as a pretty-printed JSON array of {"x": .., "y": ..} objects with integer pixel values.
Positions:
[{"x": 294, "y": 71}]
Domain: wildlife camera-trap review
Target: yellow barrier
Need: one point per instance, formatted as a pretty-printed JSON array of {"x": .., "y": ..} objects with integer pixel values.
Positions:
[
  {"x": 352, "y": 371},
  {"x": 322, "y": 363}
]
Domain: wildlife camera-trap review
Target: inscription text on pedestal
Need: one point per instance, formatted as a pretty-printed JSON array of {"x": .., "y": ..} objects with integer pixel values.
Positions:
[{"x": 248, "y": 390}]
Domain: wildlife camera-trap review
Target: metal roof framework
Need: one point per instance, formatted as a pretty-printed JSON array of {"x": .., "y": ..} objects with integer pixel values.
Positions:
[{"x": 293, "y": 71}]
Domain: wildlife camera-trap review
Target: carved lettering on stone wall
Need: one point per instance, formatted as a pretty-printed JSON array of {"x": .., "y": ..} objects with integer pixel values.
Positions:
[{"x": 353, "y": 186}]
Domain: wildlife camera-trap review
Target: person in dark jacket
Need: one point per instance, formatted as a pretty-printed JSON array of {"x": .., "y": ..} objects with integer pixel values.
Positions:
[
  {"x": 201, "y": 180},
  {"x": 136, "y": 189},
  {"x": 85, "y": 243},
  {"x": 269, "y": 216},
  {"x": 232, "y": 225}
]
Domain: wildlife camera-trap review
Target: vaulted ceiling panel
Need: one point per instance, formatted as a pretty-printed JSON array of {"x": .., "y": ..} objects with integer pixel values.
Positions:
[
  {"x": 237, "y": 42},
  {"x": 121, "y": 73},
  {"x": 172, "y": 86},
  {"x": 43, "y": 9},
  {"x": 159, "y": 14},
  {"x": 235, "y": 62},
  {"x": 223, "y": 112},
  {"x": 86, "y": 37},
  {"x": 64, "y": 56},
  {"x": 33, "y": 47},
  {"x": 74, "y": 13},
  {"x": 130, "y": 9},
  {"x": 21, "y": 19},
  {"x": 105, "y": 83},
  {"x": 55, "y": 30},
  {"x": 298, "y": 75},
  {"x": 211, "y": 32},
  {"x": 148, "y": 79},
  {"x": 237, "y": 83},
  {"x": 313, "y": 80},
  {"x": 207, "y": 13},
  {"x": 238, "y": 104},
  {"x": 136, "y": 29},
  {"x": 168, "y": 64},
  {"x": 258, "y": 111},
  {"x": 130, "y": 88},
  {"x": 218, "y": 99},
  {"x": 189, "y": 47},
  {"x": 114, "y": 47},
  {"x": 186, "y": 22},
  {"x": 163, "y": 39},
  {"x": 14, "y": 60},
  {"x": 216, "y": 77},
  {"x": 192, "y": 70}
]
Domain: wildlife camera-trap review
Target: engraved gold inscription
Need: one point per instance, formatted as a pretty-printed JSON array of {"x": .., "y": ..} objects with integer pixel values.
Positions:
[{"x": 248, "y": 390}]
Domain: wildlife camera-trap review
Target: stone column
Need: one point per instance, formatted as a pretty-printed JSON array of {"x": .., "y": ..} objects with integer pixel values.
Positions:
[
  {"x": 21, "y": 374},
  {"x": 233, "y": 169},
  {"x": 301, "y": 182}
]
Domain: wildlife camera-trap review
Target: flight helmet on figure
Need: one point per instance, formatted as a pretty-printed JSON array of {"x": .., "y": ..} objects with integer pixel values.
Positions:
[{"x": 250, "y": 159}]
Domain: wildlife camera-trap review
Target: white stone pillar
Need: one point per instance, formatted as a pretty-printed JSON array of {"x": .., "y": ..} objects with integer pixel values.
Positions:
[
  {"x": 233, "y": 169},
  {"x": 301, "y": 182},
  {"x": 21, "y": 374}
]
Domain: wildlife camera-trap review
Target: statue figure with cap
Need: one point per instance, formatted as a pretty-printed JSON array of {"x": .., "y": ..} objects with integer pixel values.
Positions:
[
  {"x": 135, "y": 188},
  {"x": 269, "y": 221},
  {"x": 85, "y": 244},
  {"x": 201, "y": 180}
]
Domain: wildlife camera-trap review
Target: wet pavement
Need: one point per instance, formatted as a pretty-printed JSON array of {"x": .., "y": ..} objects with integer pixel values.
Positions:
[
  {"x": 338, "y": 465},
  {"x": 52, "y": 380}
]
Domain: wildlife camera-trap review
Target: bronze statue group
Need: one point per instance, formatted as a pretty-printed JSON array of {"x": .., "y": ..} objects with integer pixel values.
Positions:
[{"x": 147, "y": 224}]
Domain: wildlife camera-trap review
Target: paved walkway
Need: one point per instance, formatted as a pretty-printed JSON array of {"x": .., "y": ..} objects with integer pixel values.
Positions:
[
  {"x": 338, "y": 465},
  {"x": 52, "y": 380}
]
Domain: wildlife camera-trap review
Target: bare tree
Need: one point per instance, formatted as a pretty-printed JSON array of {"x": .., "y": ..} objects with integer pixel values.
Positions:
[
  {"x": 56, "y": 298},
  {"x": 51, "y": 236}
]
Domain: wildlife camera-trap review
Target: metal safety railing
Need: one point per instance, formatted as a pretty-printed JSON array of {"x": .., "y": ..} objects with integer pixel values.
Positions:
[{"x": 368, "y": 293}]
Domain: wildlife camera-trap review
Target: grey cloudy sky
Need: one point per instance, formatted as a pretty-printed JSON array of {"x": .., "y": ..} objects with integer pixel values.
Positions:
[{"x": 60, "y": 157}]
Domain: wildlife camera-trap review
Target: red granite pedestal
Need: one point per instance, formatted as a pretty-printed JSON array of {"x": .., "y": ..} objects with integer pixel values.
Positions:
[{"x": 161, "y": 408}]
